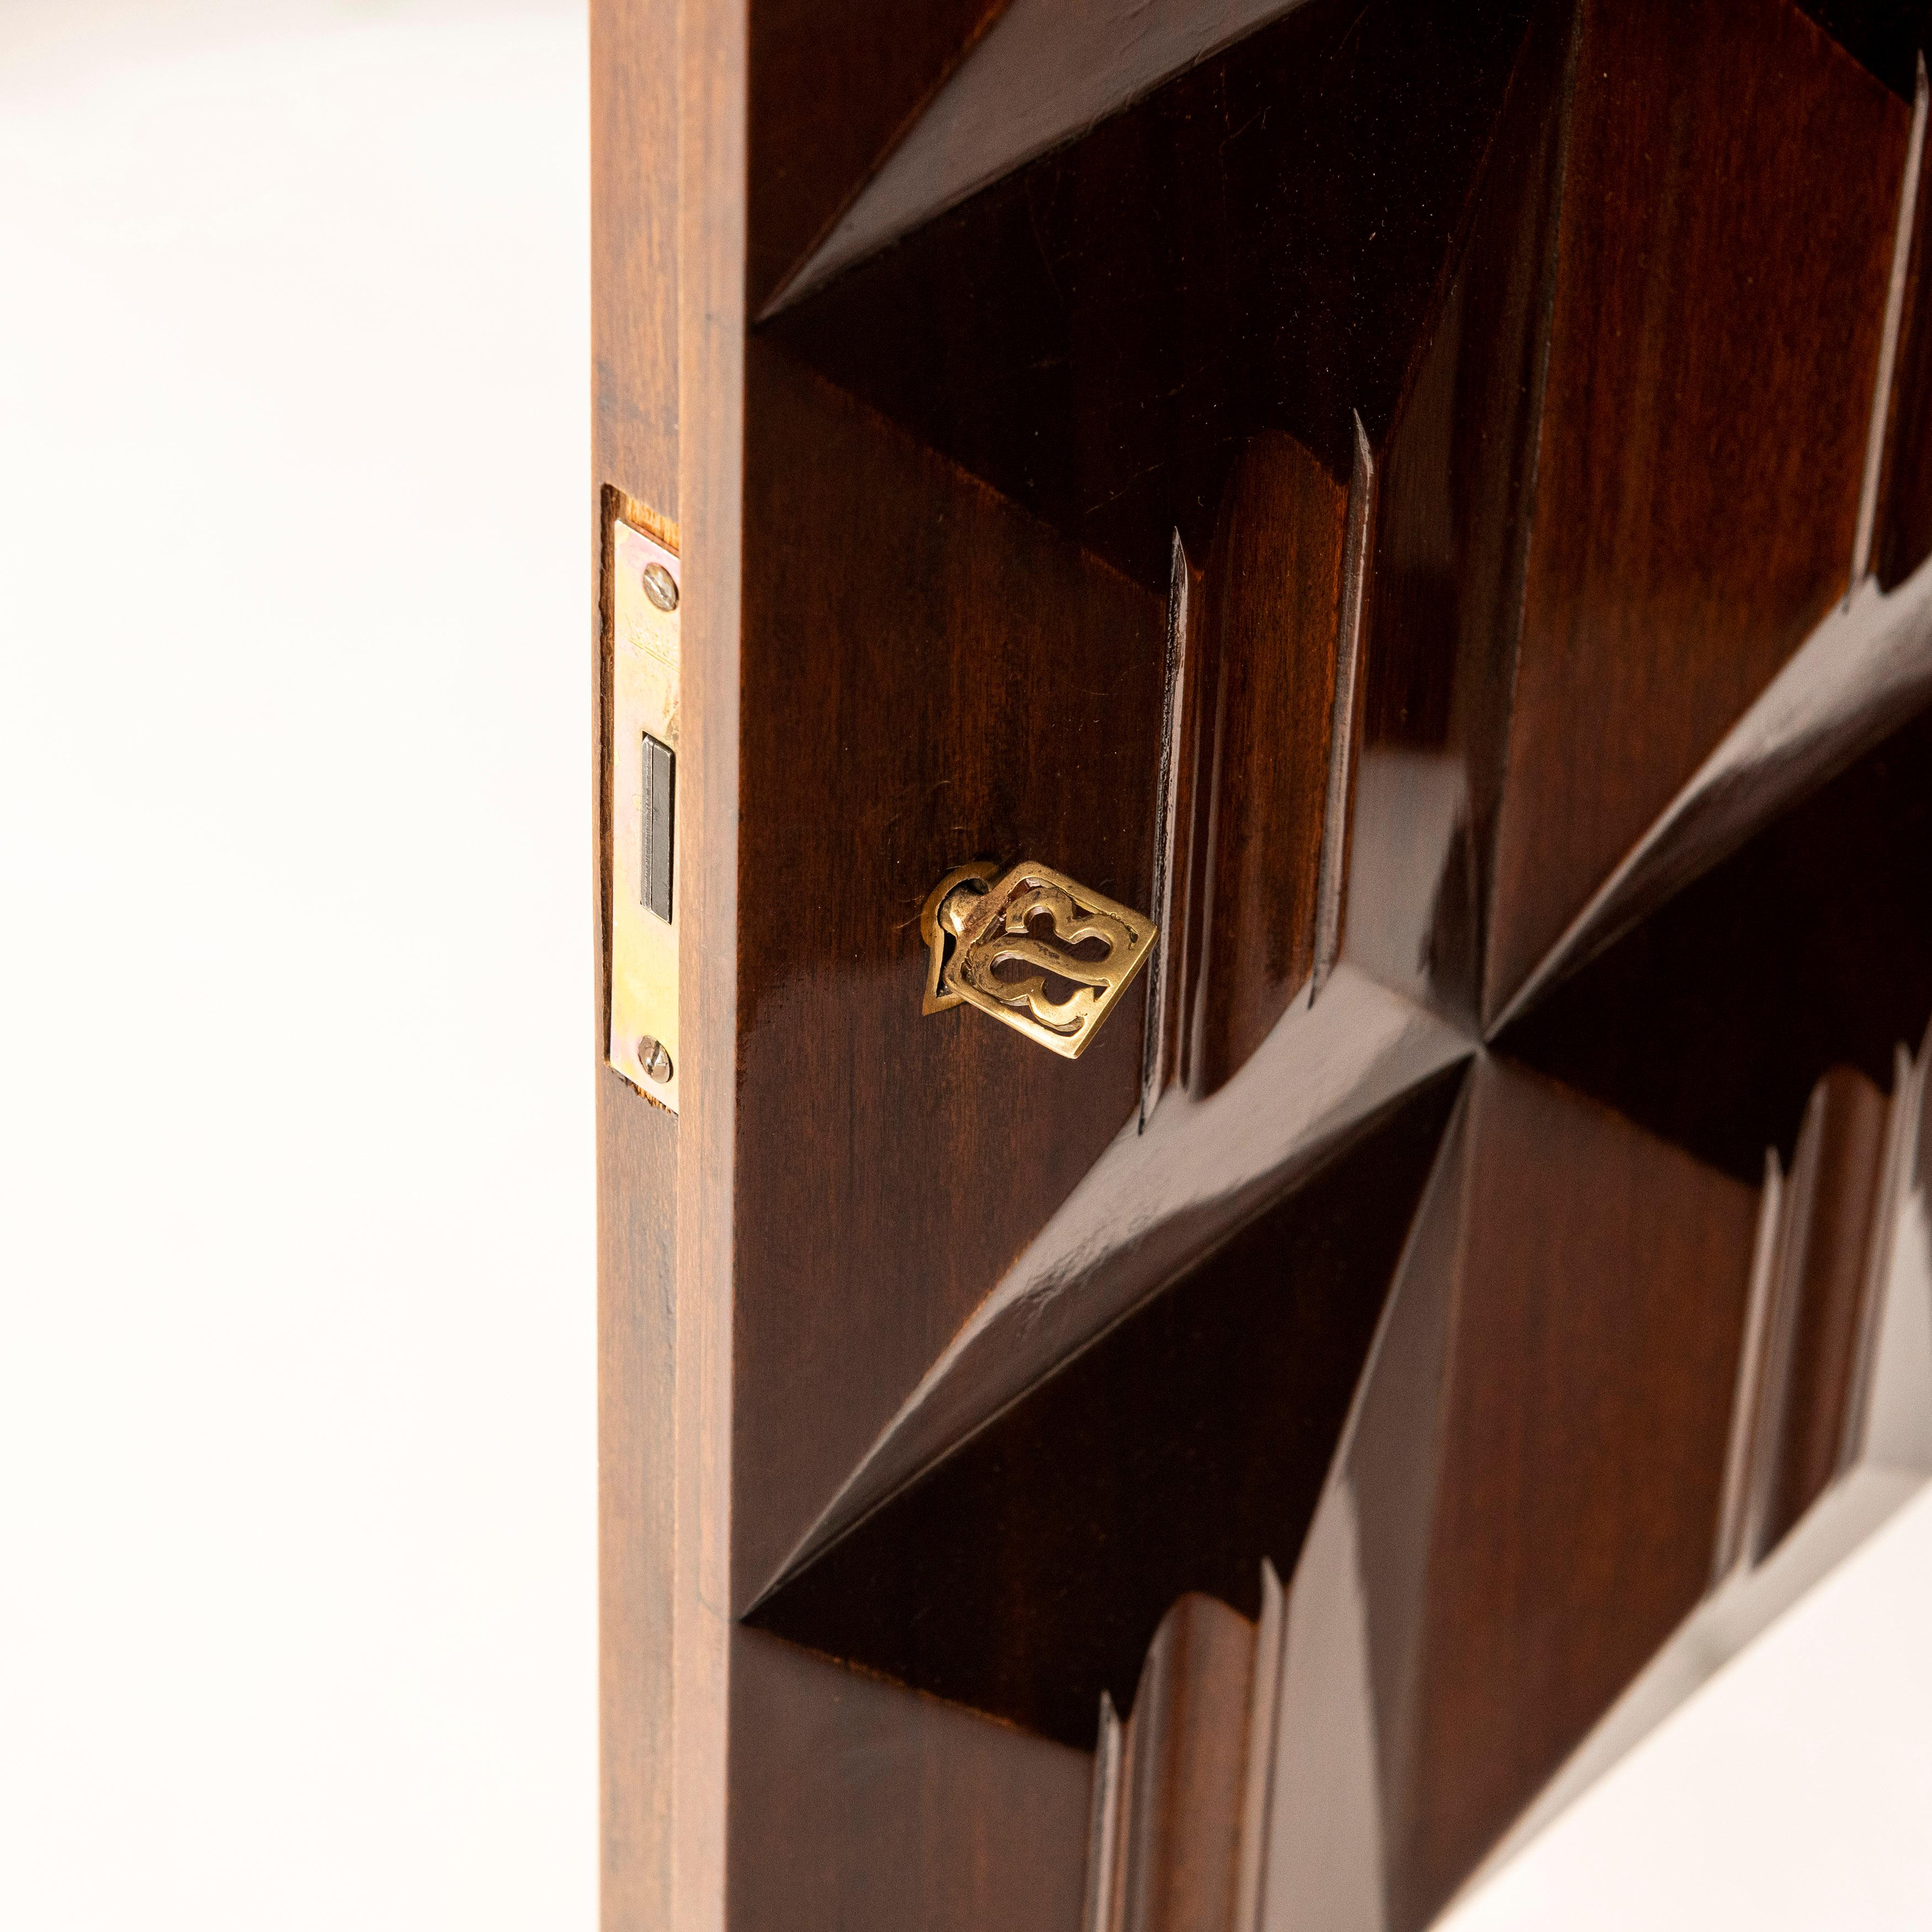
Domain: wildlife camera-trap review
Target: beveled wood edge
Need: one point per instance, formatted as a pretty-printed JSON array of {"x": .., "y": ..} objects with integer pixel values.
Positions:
[
  {"x": 1861, "y": 673},
  {"x": 1865, "y": 666},
  {"x": 927, "y": 145},
  {"x": 633, "y": 130},
  {"x": 1066, "y": 1259},
  {"x": 713, "y": 56}
]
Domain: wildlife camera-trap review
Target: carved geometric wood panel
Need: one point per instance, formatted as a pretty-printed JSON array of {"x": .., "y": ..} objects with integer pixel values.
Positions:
[{"x": 1432, "y": 504}]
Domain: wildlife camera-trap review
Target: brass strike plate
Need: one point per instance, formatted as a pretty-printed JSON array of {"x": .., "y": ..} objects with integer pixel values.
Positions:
[
  {"x": 1038, "y": 951},
  {"x": 644, "y": 589}
]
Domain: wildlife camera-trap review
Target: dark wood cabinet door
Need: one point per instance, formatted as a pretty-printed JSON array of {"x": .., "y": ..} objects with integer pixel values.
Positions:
[{"x": 1262, "y": 859}]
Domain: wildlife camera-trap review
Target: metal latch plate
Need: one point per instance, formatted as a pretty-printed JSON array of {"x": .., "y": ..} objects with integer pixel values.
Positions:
[{"x": 645, "y": 589}]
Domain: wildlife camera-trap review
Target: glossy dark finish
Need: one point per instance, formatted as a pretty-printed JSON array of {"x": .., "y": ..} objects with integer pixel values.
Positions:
[
  {"x": 1525, "y": 1507},
  {"x": 1182, "y": 849},
  {"x": 1252, "y": 247},
  {"x": 855, "y": 1803},
  {"x": 1831, "y": 1222},
  {"x": 1158, "y": 1199},
  {"x": 1451, "y": 539},
  {"x": 1271, "y": 604},
  {"x": 1532, "y": 1483},
  {"x": 1028, "y": 1571},
  {"x": 943, "y": 677},
  {"x": 826, "y": 107},
  {"x": 1463, "y": 1612},
  {"x": 1903, "y": 539},
  {"x": 1587, "y": 1399},
  {"x": 1182, "y": 1768},
  {"x": 1045, "y": 75},
  {"x": 1884, "y": 35},
  {"x": 1834, "y": 1405},
  {"x": 1710, "y": 1021},
  {"x": 962, "y": 1363},
  {"x": 1713, "y": 349}
]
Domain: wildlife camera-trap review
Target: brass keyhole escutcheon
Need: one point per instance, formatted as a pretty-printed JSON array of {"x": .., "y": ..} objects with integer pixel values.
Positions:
[{"x": 1039, "y": 951}]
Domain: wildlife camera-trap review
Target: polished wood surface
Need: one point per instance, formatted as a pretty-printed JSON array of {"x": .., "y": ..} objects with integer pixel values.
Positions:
[
  {"x": 1576, "y": 1466},
  {"x": 634, "y": 136},
  {"x": 1903, "y": 535},
  {"x": 884, "y": 584},
  {"x": 1537, "y": 1495},
  {"x": 1027, "y": 1573},
  {"x": 1271, "y": 604},
  {"x": 1452, "y": 531},
  {"x": 966, "y": 1823},
  {"x": 1251, "y": 247},
  {"x": 1184, "y": 1762},
  {"x": 826, "y": 108},
  {"x": 1830, "y": 1226},
  {"x": 1712, "y": 1021},
  {"x": 1386, "y": 490},
  {"x": 1723, "y": 342}
]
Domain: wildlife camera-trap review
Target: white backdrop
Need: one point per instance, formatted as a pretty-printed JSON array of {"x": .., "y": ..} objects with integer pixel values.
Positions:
[{"x": 296, "y": 1342}]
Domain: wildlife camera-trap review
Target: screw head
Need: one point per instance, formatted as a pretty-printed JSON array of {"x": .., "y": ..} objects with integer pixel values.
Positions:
[
  {"x": 653, "y": 1059},
  {"x": 660, "y": 587}
]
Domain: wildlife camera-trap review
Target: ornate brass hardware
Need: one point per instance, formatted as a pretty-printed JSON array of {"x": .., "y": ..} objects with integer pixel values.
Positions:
[{"x": 1036, "y": 949}]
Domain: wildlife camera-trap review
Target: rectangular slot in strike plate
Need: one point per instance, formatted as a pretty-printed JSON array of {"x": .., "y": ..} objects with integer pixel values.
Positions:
[
  {"x": 642, "y": 667},
  {"x": 660, "y": 789}
]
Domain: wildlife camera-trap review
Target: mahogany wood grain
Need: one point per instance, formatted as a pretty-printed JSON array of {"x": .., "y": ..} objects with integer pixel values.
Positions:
[
  {"x": 1456, "y": 479},
  {"x": 711, "y": 58},
  {"x": 637, "y": 1178},
  {"x": 1525, "y": 1507},
  {"x": 1271, "y": 599},
  {"x": 828, "y": 100},
  {"x": 1027, "y": 1572},
  {"x": 929, "y": 675},
  {"x": 1569, "y": 262},
  {"x": 1251, "y": 247},
  {"x": 1183, "y": 1772},
  {"x": 1711, "y": 1021},
  {"x": 1903, "y": 537},
  {"x": 1596, "y": 1309},
  {"x": 1183, "y": 847},
  {"x": 855, "y": 1803},
  {"x": 1050, "y": 72},
  {"x": 1161, "y": 1196},
  {"x": 1884, "y": 36},
  {"x": 634, "y": 135},
  {"x": 1832, "y": 1191},
  {"x": 1714, "y": 346},
  {"x": 1516, "y": 1562}
]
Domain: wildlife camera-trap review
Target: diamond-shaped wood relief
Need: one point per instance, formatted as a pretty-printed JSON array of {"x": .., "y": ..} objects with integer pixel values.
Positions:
[{"x": 1430, "y": 504}]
